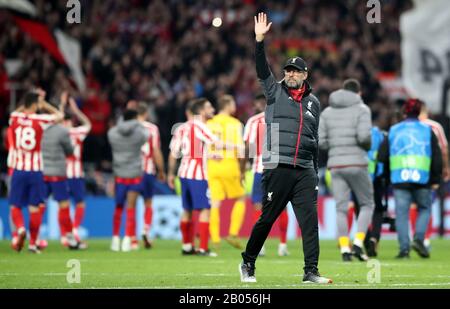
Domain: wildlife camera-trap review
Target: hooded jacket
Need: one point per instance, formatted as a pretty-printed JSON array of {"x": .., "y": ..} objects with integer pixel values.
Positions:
[
  {"x": 345, "y": 130},
  {"x": 126, "y": 140},
  {"x": 56, "y": 146}
]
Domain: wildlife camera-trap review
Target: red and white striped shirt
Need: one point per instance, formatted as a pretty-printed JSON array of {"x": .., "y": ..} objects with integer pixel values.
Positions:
[
  {"x": 27, "y": 131},
  {"x": 148, "y": 148},
  {"x": 189, "y": 141},
  {"x": 9, "y": 145},
  {"x": 254, "y": 135},
  {"x": 438, "y": 131},
  {"x": 74, "y": 162}
]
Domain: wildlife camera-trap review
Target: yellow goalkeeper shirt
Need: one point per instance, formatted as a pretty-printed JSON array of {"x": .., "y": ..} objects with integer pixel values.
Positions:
[{"x": 229, "y": 130}]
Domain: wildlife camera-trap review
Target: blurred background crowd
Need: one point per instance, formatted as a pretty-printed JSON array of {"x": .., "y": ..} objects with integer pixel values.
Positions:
[{"x": 167, "y": 52}]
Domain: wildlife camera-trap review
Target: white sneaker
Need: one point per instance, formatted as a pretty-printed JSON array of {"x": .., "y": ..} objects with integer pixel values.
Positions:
[
  {"x": 115, "y": 243},
  {"x": 126, "y": 244},
  {"x": 282, "y": 250},
  {"x": 263, "y": 251},
  {"x": 247, "y": 272}
]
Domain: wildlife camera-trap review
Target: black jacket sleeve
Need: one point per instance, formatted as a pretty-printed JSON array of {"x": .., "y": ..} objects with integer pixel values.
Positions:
[
  {"x": 265, "y": 76},
  {"x": 316, "y": 136},
  {"x": 262, "y": 67},
  {"x": 436, "y": 161}
]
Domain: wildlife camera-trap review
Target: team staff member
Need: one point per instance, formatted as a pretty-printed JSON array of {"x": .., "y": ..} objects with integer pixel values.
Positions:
[
  {"x": 345, "y": 133},
  {"x": 254, "y": 131},
  {"x": 289, "y": 158},
  {"x": 126, "y": 140},
  {"x": 412, "y": 156}
]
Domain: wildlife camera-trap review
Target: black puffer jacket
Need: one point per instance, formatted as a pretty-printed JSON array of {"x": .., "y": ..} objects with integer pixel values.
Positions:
[{"x": 292, "y": 127}]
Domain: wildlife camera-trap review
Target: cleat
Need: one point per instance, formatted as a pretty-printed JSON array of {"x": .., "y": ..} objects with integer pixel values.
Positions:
[
  {"x": 311, "y": 277},
  {"x": 147, "y": 243},
  {"x": 34, "y": 249},
  {"x": 126, "y": 244},
  {"x": 403, "y": 255},
  {"x": 115, "y": 244},
  {"x": 202, "y": 252},
  {"x": 64, "y": 241},
  {"x": 188, "y": 249},
  {"x": 82, "y": 245},
  {"x": 262, "y": 252},
  {"x": 282, "y": 250},
  {"x": 21, "y": 236},
  {"x": 234, "y": 241},
  {"x": 347, "y": 257},
  {"x": 247, "y": 272},
  {"x": 358, "y": 252},
  {"x": 420, "y": 248}
]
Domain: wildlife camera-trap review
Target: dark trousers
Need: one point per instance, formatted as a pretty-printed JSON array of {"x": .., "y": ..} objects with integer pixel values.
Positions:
[{"x": 282, "y": 185}]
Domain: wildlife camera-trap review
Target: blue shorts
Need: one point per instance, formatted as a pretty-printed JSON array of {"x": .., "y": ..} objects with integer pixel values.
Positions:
[
  {"x": 257, "y": 189},
  {"x": 59, "y": 190},
  {"x": 76, "y": 189},
  {"x": 121, "y": 191},
  {"x": 194, "y": 194},
  {"x": 148, "y": 186},
  {"x": 26, "y": 189}
]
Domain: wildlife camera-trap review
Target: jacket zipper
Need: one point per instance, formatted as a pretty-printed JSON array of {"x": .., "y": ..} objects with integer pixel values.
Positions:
[{"x": 299, "y": 133}]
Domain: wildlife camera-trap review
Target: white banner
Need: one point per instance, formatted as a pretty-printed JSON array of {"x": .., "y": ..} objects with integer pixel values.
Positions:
[
  {"x": 71, "y": 50},
  {"x": 425, "y": 49}
]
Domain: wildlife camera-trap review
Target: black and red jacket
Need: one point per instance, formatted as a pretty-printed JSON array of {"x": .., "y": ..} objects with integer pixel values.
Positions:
[{"x": 292, "y": 126}]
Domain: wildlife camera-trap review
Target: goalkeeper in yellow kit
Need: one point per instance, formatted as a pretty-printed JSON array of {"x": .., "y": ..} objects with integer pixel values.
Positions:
[{"x": 226, "y": 171}]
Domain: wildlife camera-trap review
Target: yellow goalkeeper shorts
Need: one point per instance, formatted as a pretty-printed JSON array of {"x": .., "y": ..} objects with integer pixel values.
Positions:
[{"x": 221, "y": 188}]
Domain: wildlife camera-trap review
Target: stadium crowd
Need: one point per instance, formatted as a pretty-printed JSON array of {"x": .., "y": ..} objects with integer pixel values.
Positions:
[{"x": 167, "y": 52}]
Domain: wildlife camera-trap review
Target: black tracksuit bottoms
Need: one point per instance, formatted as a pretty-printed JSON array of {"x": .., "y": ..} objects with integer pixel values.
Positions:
[{"x": 279, "y": 186}]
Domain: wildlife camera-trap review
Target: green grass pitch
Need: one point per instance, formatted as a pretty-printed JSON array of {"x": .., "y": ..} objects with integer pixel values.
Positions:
[{"x": 164, "y": 267}]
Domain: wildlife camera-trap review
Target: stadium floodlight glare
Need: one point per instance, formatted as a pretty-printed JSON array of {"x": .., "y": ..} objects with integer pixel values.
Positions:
[{"x": 217, "y": 22}]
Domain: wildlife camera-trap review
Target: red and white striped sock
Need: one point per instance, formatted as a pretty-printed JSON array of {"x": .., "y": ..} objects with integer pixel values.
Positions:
[
  {"x": 148, "y": 215},
  {"x": 117, "y": 219},
  {"x": 34, "y": 224},
  {"x": 79, "y": 215},
  {"x": 204, "y": 235},
  {"x": 64, "y": 220},
  {"x": 185, "y": 232},
  {"x": 256, "y": 214},
  {"x": 130, "y": 229},
  {"x": 283, "y": 225},
  {"x": 17, "y": 217}
]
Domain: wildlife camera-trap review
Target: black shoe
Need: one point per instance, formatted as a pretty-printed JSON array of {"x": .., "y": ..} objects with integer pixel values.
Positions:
[
  {"x": 420, "y": 248},
  {"x": 147, "y": 242},
  {"x": 347, "y": 257},
  {"x": 189, "y": 252},
  {"x": 358, "y": 252},
  {"x": 247, "y": 272},
  {"x": 312, "y": 277},
  {"x": 371, "y": 247},
  {"x": 403, "y": 255}
]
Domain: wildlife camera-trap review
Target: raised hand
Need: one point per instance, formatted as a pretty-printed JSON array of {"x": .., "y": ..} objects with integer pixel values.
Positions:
[{"x": 261, "y": 26}]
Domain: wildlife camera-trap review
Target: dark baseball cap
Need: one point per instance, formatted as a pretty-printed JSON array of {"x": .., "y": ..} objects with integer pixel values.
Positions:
[{"x": 297, "y": 63}]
